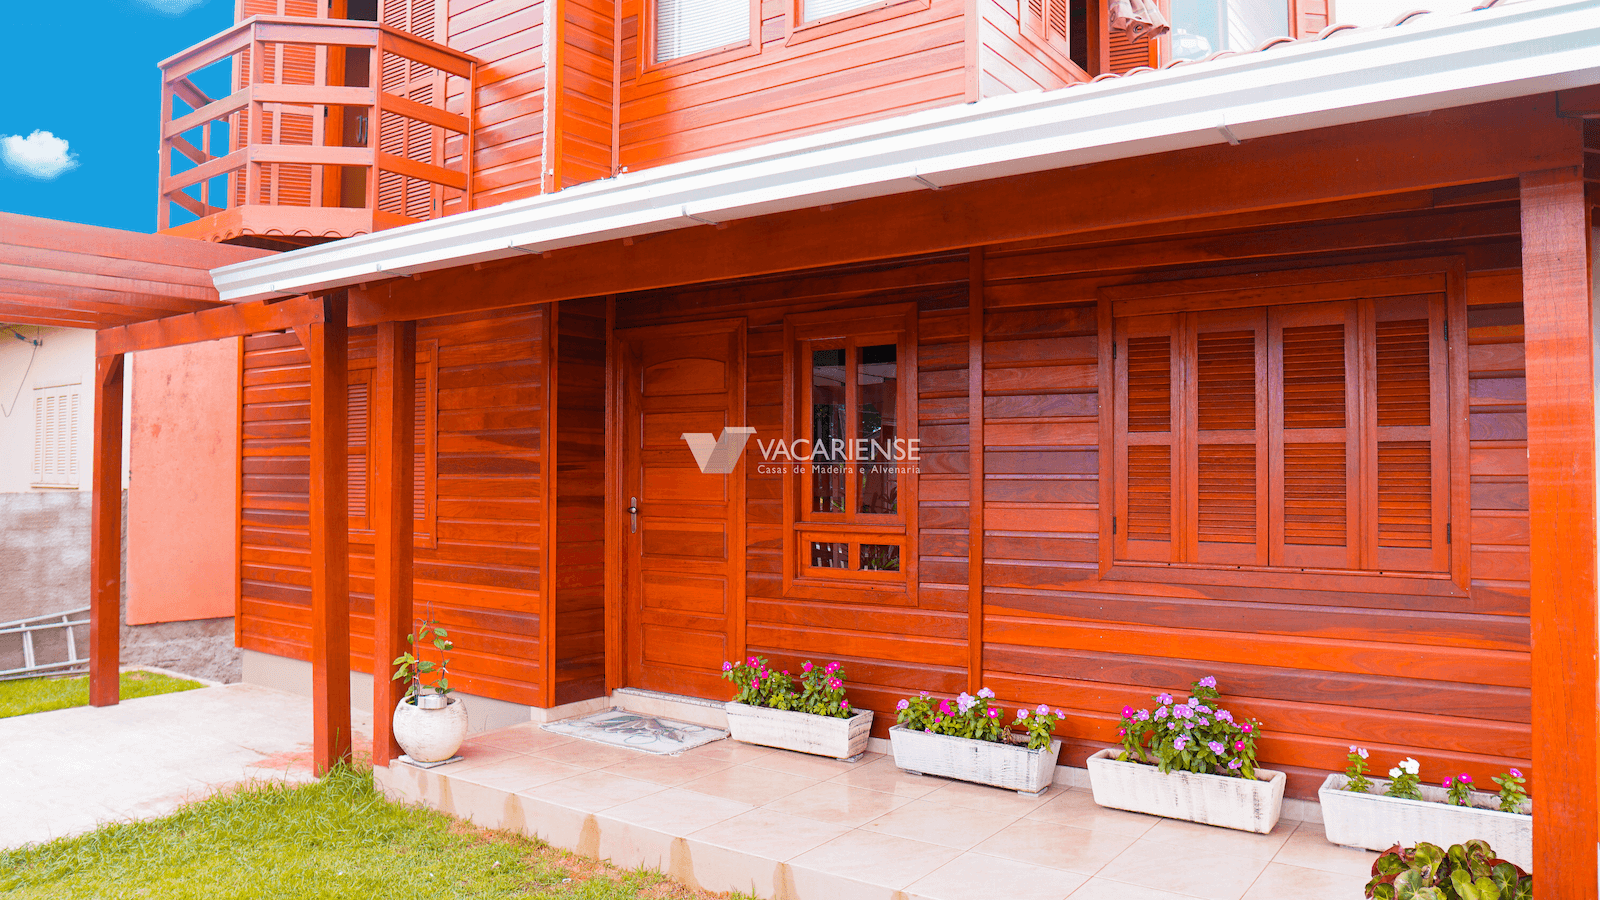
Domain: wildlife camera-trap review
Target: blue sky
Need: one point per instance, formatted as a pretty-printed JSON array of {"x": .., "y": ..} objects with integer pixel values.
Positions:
[{"x": 86, "y": 73}]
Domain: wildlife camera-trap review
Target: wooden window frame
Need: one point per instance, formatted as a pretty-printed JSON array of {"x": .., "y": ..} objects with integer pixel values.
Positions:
[
  {"x": 801, "y": 31},
  {"x": 424, "y": 521},
  {"x": 1445, "y": 276},
  {"x": 649, "y": 69},
  {"x": 1036, "y": 28},
  {"x": 802, "y": 332}
]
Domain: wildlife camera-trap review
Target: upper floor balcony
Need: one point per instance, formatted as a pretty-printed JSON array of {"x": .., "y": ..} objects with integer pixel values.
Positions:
[{"x": 278, "y": 146}]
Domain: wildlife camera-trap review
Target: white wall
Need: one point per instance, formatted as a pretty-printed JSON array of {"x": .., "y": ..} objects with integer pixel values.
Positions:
[{"x": 64, "y": 355}]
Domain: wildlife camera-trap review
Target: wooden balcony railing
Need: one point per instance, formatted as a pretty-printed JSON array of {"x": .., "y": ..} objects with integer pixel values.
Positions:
[{"x": 298, "y": 157}]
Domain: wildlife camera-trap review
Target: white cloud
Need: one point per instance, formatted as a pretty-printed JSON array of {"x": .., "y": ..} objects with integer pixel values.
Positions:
[
  {"x": 39, "y": 155},
  {"x": 172, "y": 7}
]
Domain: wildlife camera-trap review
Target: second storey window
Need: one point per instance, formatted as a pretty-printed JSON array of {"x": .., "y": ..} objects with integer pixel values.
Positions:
[
  {"x": 1203, "y": 27},
  {"x": 813, "y": 10},
  {"x": 1295, "y": 436},
  {"x": 690, "y": 27}
]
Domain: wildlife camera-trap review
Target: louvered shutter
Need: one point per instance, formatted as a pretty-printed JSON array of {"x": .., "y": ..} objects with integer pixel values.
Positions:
[
  {"x": 405, "y": 137},
  {"x": 55, "y": 436},
  {"x": 1146, "y": 464},
  {"x": 358, "y": 465},
  {"x": 1229, "y": 514},
  {"x": 1125, "y": 54},
  {"x": 422, "y": 460},
  {"x": 282, "y": 184},
  {"x": 1050, "y": 21},
  {"x": 687, "y": 27},
  {"x": 1408, "y": 493},
  {"x": 1314, "y": 426}
]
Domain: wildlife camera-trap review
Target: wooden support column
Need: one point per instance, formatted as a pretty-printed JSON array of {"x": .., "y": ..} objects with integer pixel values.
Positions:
[
  {"x": 327, "y": 343},
  {"x": 1561, "y": 496},
  {"x": 393, "y": 435},
  {"x": 105, "y": 556},
  {"x": 975, "y": 471}
]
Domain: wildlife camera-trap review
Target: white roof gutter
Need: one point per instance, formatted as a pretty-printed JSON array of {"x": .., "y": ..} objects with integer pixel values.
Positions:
[{"x": 1431, "y": 62}]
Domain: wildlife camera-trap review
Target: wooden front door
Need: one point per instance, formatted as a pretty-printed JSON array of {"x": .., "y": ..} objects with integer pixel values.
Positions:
[{"x": 683, "y": 550}]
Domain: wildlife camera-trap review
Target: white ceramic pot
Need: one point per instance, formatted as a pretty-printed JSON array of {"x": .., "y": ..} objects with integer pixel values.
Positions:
[
  {"x": 1011, "y": 766},
  {"x": 800, "y": 731},
  {"x": 1208, "y": 799},
  {"x": 1376, "y": 822},
  {"x": 430, "y": 735}
]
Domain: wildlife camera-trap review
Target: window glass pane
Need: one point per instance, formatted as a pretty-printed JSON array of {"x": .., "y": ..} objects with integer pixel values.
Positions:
[
  {"x": 880, "y": 558},
  {"x": 1202, "y": 27},
  {"x": 877, "y": 390},
  {"x": 687, "y": 27},
  {"x": 830, "y": 555},
  {"x": 821, "y": 9},
  {"x": 827, "y": 431}
]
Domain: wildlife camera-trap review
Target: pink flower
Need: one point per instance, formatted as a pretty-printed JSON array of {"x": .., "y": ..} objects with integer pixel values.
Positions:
[
  {"x": 1181, "y": 742},
  {"x": 1216, "y": 746},
  {"x": 994, "y": 713},
  {"x": 1164, "y": 699},
  {"x": 1127, "y": 712},
  {"x": 1448, "y": 781},
  {"x": 944, "y": 707},
  {"x": 1122, "y": 731},
  {"x": 1515, "y": 774},
  {"x": 1208, "y": 681},
  {"x": 1465, "y": 778},
  {"x": 1247, "y": 728},
  {"x": 727, "y": 667},
  {"x": 1238, "y": 745},
  {"x": 1060, "y": 714},
  {"x": 903, "y": 704},
  {"x": 844, "y": 704},
  {"x": 1043, "y": 710},
  {"x": 1235, "y": 764},
  {"x": 752, "y": 660},
  {"x": 1021, "y": 714}
]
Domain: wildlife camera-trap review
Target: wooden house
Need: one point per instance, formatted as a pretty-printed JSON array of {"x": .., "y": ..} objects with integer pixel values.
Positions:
[{"x": 1276, "y": 366}]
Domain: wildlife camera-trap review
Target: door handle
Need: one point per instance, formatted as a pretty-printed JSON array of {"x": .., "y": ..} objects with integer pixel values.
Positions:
[{"x": 633, "y": 515}]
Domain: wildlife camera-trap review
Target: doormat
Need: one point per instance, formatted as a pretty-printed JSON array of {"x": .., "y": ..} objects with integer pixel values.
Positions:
[{"x": 636, "y": 731}]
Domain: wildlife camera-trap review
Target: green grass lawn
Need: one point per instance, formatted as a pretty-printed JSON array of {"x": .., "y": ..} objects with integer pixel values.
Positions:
[
  {"x": 336, "y": 839},
  {"x": 31, "y": 695}
]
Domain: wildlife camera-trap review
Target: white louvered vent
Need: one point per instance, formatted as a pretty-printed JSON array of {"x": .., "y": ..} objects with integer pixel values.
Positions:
[
  {"x": 55, "y": 436},
  {"x": 687, "y": 27}
]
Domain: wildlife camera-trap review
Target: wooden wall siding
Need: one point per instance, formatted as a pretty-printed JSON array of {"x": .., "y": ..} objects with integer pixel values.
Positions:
[
  {"x": 1010, "y": 61},
  {"x": 579, "y": 533},
  {"x": 888, "y": 650},
  {"x": 508, "y": 37},
  {"x": 1444, "y": 680},
  {"x": 812, "y": 80},
  {"x": 583, "y": 101},
  {"x": 482, "y": 580}
]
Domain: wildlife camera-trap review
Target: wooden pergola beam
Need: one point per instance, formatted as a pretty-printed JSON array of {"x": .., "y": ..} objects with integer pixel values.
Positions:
[
  {"x": 1565, "y": 619},
  {"x": 327, "y": 344},
  {"x": 105, "y": 535},
  {"x": 393, "y": 414},
  {"x": 210, "y": 325}
]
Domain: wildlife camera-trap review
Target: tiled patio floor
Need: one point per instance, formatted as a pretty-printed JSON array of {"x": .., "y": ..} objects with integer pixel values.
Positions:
[{"x": 730, "y": 816}]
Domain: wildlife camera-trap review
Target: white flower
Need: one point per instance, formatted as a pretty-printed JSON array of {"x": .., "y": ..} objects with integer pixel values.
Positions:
[
  {"x": 985, "y": 693},
  {"x": 1410, "y": 765},
  {"x": 1394, "y": 772}
]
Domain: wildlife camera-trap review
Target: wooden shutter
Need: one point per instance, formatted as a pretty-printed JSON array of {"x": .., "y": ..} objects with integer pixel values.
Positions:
[
  {"x": 1407, "y": 487},
  {"x": 1315, "y": 419},
  {"x": 1227, "y": 461},
  {"x": 1126, "y": 55},
  {"x": 55, "y": 436},
  {"x": 1147, "y": 372},
  {"x": 1050, "y": 22},
  {"x": 282, "y": 184},
  {"x": 358, "y": 465},
  {"x": 402, "y": 136},
  {"x": 686, "y": 27}
]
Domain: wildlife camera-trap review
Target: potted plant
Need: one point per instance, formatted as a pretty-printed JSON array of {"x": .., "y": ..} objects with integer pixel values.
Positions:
[
  {"x": 1374, "y": 814},
  {"x": 814, "y": 717},
  {"x": 1192, "y": 761},
  {"x": 971, "y": 741},
  {"x": 429, "y": 724},
  {"x": 1467, "y": 871}
]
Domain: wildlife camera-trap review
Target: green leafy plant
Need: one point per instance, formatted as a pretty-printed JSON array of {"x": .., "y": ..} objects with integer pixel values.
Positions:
[
  {"x": 1459, "y": 789},
  {"x": 1468, "y": 871},
  {"x": 971, "y": 716},
  {"x": 1511, "y": 793},
  {"x": 1356, "y": 772},
  {"x": 413, "y": 668},
  {"x": 819, "y": 691},
  {"x": 1405, "y": 782},
  {"x": 1195, "y": 736}
]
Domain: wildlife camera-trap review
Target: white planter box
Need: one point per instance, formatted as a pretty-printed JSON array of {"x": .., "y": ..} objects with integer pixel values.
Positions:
[
  {"x": 1011, "y": 766},
  {"x": 800, "y": 731},
  {"x": 1208, "y": 799},
  {"x": 1375, "y": 822}
]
